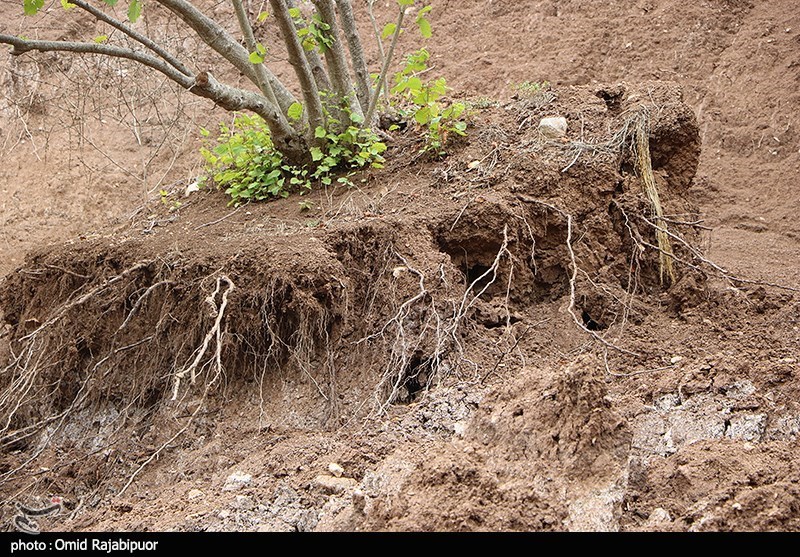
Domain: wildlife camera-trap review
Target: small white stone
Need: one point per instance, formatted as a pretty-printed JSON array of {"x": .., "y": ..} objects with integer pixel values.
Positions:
[
  {"x": 659, "y": 516},
  {"x": 336, "y": 469},
  {"x": 333, "y": 485},
  {"x": 553, "y": 127},
  {"x": 675, "y": 359},
  {"x": 194, "y": 494},
  {"x": 237, "y": 480},
  {"x": 224, "y": 514}
]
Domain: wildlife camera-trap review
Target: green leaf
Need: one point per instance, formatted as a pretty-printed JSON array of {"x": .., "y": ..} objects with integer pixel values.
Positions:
[
  {"x": 389, "y": 30},
  {"x": 31, "y": 7},
  {"x": 295, "y": 111},
  {"x": 262, "y": 17},
  {"x": 295, "y": 13},
  {"x": 415, "y": 84},
  {"x": 320, "y": 132},
  {"x": 255, "y": 58},
  {"x": 134, "y": 10},
  {"x": 100, "y": 39},
  {"x": 111, "y": 3},
  {"x": 261, "y": 49},
  {"x": 424, "y": 27},
  {"x": 406, "y": 2},
  {"x": 66, "y": 5},
  {"x": 316, "y": 154}
]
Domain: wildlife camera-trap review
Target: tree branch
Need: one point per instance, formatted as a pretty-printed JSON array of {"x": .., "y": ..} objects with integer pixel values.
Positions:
[
  {"x": 356, "y": 51},
  {"x": 135, "y": 35},
  {"x": 250, "y": 41},
  {"x": 21, "y": 46},
  {"x": 337, "y": 61},
  {"x": 298, "y": 61},
  {"x": 386, "y": 62},
  {"x": 220, "y": 41},
  {"x": 317, "y": 68}
]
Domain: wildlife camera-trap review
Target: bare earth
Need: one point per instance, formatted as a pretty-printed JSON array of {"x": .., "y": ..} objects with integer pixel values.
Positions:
[{"x": 344, "y": 401}]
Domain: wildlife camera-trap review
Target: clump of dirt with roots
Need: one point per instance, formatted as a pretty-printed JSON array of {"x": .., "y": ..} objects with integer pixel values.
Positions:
[{"x": 487, "y": 306}]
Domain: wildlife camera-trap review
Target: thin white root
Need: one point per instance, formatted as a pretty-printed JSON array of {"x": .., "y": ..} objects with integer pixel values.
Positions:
[
  {"x": 574, "y": 276},
  {"x": 214, "y": 333}
]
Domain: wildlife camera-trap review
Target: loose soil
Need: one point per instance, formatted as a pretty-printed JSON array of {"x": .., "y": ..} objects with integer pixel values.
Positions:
[{"x": 482, "y": 342}]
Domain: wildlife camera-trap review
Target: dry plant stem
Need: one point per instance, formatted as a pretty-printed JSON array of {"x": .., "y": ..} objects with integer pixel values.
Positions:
[
  {"x": 574, "y": 276},
  {"x": 373, "y": 104},
  {"x": 642, "y": 151},
  {"x": 217, "y": 221},
  {"x": 214, "y": 333}
]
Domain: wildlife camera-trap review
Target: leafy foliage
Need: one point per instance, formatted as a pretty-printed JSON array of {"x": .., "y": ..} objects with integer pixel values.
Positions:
[
  {"x": 247, "y": 165},
  {"x": 423, "y": 102},
  {"x": 313, "y": 32}
]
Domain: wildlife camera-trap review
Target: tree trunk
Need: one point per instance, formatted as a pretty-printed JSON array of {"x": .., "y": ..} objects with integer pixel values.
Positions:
[
  {"x": 288, "y": 141},
  {"x": 337, "y": 62},
  {"x": 356, "y": 51}
]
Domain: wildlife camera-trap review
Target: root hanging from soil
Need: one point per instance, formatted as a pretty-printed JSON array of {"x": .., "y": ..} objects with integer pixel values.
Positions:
[
  {"x": 641, "y": 149},
  {"x": 423, "y": 335},
  {"x": 574, "y": 269},
  {"x": 215, "y": 333}
]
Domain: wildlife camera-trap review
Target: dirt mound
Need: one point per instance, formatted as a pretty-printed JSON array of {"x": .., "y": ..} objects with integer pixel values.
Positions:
[
  {"x": 706, "y": 409},
  {"x": 381, "y": 300}
]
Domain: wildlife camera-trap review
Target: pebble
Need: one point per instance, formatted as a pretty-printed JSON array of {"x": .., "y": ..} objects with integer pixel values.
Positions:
[
  {"x": 659, "y": 516},
  {"x": 336, "y": 469},
  {"x": 553, "y": 127},
  {"x": 194, "y": 494},
  {"x": 237, "y": 480},
  {"x": 332, "y": 484}
]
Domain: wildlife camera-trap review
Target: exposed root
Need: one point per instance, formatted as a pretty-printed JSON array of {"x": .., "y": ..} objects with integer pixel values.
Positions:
[
  {"x": 574, "y": 276},
  {"x": 93, "y": 292},
  {"x": 218, "y": 312},
  {"x": 641, "y": 150}
]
